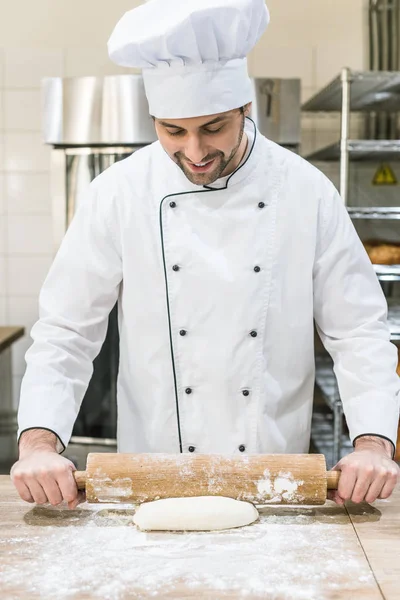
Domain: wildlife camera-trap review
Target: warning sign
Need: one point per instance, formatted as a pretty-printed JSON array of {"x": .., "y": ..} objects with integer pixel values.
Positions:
[{"x": 384, "y": 176}]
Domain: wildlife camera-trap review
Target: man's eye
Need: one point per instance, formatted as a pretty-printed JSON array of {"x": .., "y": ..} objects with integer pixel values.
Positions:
[
  {"x": 176, "y": 132},
  {"x": 213, "y": 130}
]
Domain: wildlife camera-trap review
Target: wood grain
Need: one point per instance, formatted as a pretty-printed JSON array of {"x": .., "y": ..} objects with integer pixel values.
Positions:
[
  {"x": 257, "y": 478},
  {"x": 377, "y": 527}
]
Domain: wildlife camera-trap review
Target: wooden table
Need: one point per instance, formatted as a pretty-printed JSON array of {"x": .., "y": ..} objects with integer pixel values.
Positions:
[{"x": 308, "y": 553}]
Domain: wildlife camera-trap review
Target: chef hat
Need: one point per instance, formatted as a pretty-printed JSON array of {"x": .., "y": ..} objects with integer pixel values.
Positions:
[{"x": 192, "y": 52}]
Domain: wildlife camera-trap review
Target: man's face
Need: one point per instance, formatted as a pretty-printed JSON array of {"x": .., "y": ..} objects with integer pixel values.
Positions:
[{"x": 205, "y": 148}]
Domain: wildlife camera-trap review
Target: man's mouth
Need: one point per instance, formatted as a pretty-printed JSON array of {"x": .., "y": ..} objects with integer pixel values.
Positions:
[{"x": 201, "y": 167}]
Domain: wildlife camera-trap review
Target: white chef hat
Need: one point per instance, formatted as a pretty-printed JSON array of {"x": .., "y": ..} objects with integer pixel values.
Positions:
[{"x": 192, "y": 52}]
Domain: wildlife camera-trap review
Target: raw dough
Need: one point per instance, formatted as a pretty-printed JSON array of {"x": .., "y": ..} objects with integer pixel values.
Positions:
[{"x": 201, "y": 513}]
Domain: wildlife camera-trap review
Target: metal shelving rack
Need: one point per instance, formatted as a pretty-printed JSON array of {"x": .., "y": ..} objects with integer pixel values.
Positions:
[{"x": 356, "y": 91}]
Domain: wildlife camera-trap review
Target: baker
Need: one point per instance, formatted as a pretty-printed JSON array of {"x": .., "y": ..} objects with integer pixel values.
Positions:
[{"x": 222, "y": 248}]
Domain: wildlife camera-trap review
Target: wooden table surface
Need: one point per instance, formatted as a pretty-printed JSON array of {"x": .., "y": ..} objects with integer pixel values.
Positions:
[
  {"x": 307, "y": 553},
  {"x": 9, "y": 335}
]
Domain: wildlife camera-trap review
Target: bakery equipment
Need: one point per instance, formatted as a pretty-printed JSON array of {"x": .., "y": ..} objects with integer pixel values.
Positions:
[{"x": 258, "y": 478}]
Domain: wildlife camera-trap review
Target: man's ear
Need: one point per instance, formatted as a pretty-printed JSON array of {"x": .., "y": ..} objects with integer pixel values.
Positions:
[{"x": 247, "y": 109}]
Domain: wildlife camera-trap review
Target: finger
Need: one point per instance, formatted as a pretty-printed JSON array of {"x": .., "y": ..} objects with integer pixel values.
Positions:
[
  {"x": 36, "y": 490},
  {"x": 333, "y": 495},
  {"x": 51, "y": 489},
  {"x": 390, "y": 484},
  {"x": 23, "y": 491},
  {"x": 364, "y": 480},
  {"x": 347, "y": 482},
  {"x": 67, "y": 484},
  {"x": 79, "y": 500}
]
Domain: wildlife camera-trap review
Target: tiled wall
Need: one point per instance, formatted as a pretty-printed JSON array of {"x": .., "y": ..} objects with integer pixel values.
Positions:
[
  {"x": 26, "y": 250},
  {"x": 309, "y": 39}
]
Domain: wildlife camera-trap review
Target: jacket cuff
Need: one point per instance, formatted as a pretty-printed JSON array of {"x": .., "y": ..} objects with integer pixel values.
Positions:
[
  {"x": 376, "y": 435},
  {"x": 60, "y": 446}
]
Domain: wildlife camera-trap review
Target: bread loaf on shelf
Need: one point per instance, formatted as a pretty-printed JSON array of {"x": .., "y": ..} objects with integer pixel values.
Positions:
[{"x": 383, "y": 253}]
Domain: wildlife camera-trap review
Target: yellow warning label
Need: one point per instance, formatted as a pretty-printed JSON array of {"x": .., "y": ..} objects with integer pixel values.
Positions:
[{"x": 384, "y": 176}]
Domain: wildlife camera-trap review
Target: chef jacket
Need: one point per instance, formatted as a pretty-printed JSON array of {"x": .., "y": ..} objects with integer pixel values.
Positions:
[{"x": 218, "y": 288}]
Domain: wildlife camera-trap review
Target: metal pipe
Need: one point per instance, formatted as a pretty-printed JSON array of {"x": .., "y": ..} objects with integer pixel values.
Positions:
[{"x": 345, "y": 129}]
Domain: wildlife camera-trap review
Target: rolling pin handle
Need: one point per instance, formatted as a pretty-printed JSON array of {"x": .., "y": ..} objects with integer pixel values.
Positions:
[
  {"x": 332, "y": 480},
  {"x": 80, "y": 478}
]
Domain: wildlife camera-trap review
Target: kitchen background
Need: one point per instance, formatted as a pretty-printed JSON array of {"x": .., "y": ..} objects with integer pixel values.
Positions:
[{"x": 307, "y": 39}]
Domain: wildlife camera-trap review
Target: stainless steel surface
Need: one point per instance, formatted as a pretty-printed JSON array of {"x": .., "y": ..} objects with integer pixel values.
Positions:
[
  {"x": 344, "y": 137},
  {"x": 387, "y": 272},
  {"x": 384, "y": 23},
  {"x": 276, "y": 109},
  {"x": 374, "y": 212},
  {"x": 360, "y": 150},
  {"x": 370, "y": 90},
  {"x": 326, "y": 382},
  {"x": 394, "y": 318},
  {"x": 84, "y": 111}
]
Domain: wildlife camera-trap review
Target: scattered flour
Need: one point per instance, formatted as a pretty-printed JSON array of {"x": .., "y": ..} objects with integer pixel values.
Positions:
[
  {"x": 95, "y": 552},
  {"x": 282, "y": 487}
]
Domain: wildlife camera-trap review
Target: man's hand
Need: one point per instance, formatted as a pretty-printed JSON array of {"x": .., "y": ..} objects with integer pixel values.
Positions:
[
  {"x": 43, "y": 476},
  {"x": 367, "y": 473}
]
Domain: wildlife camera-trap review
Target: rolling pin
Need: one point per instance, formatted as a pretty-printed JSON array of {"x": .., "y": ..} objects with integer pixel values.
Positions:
[{"x": 257, "y": 478}]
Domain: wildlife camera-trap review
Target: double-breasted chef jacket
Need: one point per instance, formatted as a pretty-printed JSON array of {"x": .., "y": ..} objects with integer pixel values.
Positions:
[{"x": 217, "y": 291}]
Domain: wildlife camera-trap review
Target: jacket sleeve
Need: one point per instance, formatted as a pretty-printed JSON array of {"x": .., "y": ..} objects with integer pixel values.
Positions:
[
  {"x": 79, "y": 292},
  {"x": 350, "y": 312}
]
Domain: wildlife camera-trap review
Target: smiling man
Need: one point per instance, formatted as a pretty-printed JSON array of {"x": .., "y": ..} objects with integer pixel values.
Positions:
[
  {"x": 223, "y": 137},
  {"x": 222, "y": 248}
]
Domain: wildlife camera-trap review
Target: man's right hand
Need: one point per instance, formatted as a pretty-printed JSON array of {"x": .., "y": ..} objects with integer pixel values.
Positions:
[{"x": 42, "y": 475}]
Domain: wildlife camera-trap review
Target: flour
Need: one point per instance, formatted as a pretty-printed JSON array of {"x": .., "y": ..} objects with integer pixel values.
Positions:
[
  {"x": 95, "y": 552},
  {"x": 282, "y": 487}
]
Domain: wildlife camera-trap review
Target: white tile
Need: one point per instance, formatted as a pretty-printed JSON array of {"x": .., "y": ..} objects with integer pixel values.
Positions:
[
  {"x": 23, "y": 312},
  {"x": 3, "y": 234},
  {"x": 3, "y": 307},
  {"x": 1, "y": 109},
  {"x": 26, "y": 152},
  {"x": 29, "y": 234},
  {"x": 27, "y": 274},
  {"x": 27, "y": 193},
  {"x": 3, "y": 276},
  {"x": 283, "y": 61},
  {"x": 331, "y": 58},
  {"x": 22, "y": 110},
  {"x": 2, "y": 166},
  {"x": 16, "y": 390},
  {"x": 3, "y": 203},
  {"x": 25, "y": 67},
  {"x": 1, "y": 68},
  {"x": 81, "y": 62}
]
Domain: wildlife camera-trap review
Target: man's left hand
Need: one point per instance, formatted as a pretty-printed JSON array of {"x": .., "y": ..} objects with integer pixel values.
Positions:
[{"x": 367, "y": 473}]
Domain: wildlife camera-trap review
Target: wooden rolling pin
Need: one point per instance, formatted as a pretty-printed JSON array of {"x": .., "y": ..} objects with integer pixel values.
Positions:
[{"x": 257, "y": 478}]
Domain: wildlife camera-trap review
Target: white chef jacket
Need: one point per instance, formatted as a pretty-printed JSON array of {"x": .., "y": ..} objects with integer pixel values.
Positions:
[{"x": 217, "y": 291}]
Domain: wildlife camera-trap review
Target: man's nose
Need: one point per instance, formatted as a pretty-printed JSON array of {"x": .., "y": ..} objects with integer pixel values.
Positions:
[{"x": 195, "y": 150}]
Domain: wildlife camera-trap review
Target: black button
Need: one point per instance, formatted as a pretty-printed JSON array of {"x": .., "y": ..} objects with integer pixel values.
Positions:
[
  {"x": 172, "y": 204},
  {"x": 253, "y": 333},
  {"x": 242, "y": 448},
  {"x": 191, "y": 448},
  {"x": 175, "y": 268},
  {"x": 188, "y": 390},
  {"x": 245, "y": 392},
  {"x": 257, "y": 269},
  {"x": 261, "y": 205},
  {"x": 182, "y": 332}
]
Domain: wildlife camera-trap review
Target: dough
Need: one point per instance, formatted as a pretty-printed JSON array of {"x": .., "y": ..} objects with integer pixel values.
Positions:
[{"x": 201, "y": 513}]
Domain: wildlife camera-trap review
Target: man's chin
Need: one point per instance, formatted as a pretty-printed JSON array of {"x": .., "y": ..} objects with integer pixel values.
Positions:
[{"x": 202, "y": 178}]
